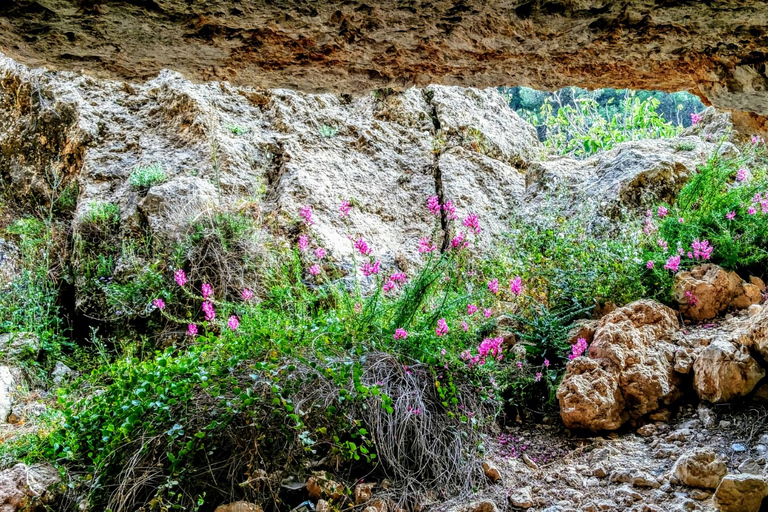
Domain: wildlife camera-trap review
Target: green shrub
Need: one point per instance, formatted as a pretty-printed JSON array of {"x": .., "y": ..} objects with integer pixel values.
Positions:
[
  {"x": 145, "y": 177},
  {"x": 102, "y": 213}
]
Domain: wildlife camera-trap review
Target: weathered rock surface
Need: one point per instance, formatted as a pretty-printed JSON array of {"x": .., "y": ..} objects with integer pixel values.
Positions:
[
  {"x": 630, "y": 370},
  {"x": 240, "y": 149},
  {"x": 724, "y": 371},
  {"x": 25, "y": 487},
  {"x": 741, "y": 493},
  {"x": 16, "y": 346},
  {"x": 706, "y": 291},
  {"x": 700, "y": 468},
  {"x": 10, "y": 379},
  {"x": 352, "y": 46},
  {"x": 239, "y": 506}
]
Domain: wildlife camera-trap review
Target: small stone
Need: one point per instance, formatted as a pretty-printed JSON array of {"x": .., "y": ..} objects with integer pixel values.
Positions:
[
  {"x": 738, "y": 448},
  {"x": 728, "y": 317},
  {"x": 725, "y": 424},
  {"x": 763, "y": 439},
  {"x": 662, "y": 414},
  {"x": 706, "y": 416},
  {"x": 529, "y": 462},
  {"x": 751, "y": 466},
  {"x": 701, "y": 468},
  {"x": 642, "y": 479},
  {"x": 522, "y": 498},
  {"x": 491, "y": 471},
  {"x": 647, "y": 430},
  {"x": 363, "y": 492},
  {"x": 699, "y": 494},
  {"x": 600, "y": 472},
  {"x": 754, "y": 309}
]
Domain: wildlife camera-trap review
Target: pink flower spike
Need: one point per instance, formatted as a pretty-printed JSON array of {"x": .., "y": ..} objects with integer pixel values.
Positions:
[
  {"x": 578, "y": 348},
  {"x": 662, "y": 211},
  {"x": 695, "y": 118},
  {"x": 465, "y": 326},
  {"x": 344, "y": 208},
  {"x": 314, "y": 270},
  {"x": 516, "y": 285},
  {"x": 473, "y": 223},
  {"x": 442, "y": 327},
  {"x": 158, "y": 303},
  {"x": 673, "y": 263},
  {"x": 370, "y": 269},
  {"x": 303, "y": 242},
  {"x": 458, "y": 241},
  {"x": 450, "y": 210},
  {"x": 538, "y": 376},
  {"x": 362, "y": 247},
  {"x": 233, "y": 322},
  {"x": 207, "y": 290},
  {"x": 210, "y": 314},
  {"x": 180, "y": 277},
  {"x": 400, "y": 334},
  {"x": 680, "y": 220},
  {"x": 247, "y": 294},
  {"x": 487, "y": 312},
  {"x": 471, "y": 309},
  {"x": 320, "y": 253},
  {"x": 442, "y": 352},
  {"x": 546, "y": 363},
  {"x": 730, "y": 215},
  {"x": 433, "y": 203},
  {"x": 751, "y": 210},
  {"x": 192, "y": 330},
  {"x": 493, "y": 286},
  {"x": 388, "y": 286},
  {"x": 306, "y": 214},
  {"x": 649, "y": 265},
  {"x": 741, "y": 175},
  {"x": 425, "y": 245}
]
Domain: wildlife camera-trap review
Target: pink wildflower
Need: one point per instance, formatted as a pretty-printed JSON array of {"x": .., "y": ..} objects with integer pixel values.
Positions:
[
  {"x": 741, "y": 175},
  {"x": 362, "y": 246},
  {"x": 471, "y": 309},
  {"x": 730, "y": 215},
  {"x": 442, "y": 352},
  {"x": 662, "y": 211},
  {"x": 388, "y": 286},
  {"x": 158, "y": 303},
  {"x": 465, "y": 326},
  {"x": 303, "y": 242},
  {"x": 247, "y": 294},
  {"x": 673, "y": 263},
  {"x": 210, "y": 314},
  {"x": 370, "y": 269},
  {"x": 695, "y": 118},
  {"x": 233, "y": 322},
  {"x": 306, "y": 214},
  {"x": 320, "y": 253},
  {"x": 680, "y": 220},
  {"x": 756, "y": 139},
  {"x": 315, "y": 270},
  {"x": 487, "y": 312},
  {"x": 344, "y": 208},
  {"x": 701, "y": 250},
  {"x": 358, "y": 308},
  {"x": 493, "y": 286},
  {"x": 649, "y": 265},
  {"x": 399, "y": 277},
  {"x": 433, "y": 203},
  {"x": 578, "y": 348},
  {"x": 442, "y": 327},
  {"x": 425, "y": 245},
  {"x": 516, "y": 285},
  {"x": 458, "y": 241},
  {"x": 490, "y": 347},
  {"x": 662, "y": 243},
  {"x": 650, "y": 227},
  {"x": 180, "y": 277},
  {"x": 546, "y": 363},
  {"x": 751, "y": 210},
  {"x": 690, "y": 255},
  {"x": 192, "y": 330},
  {"x": 538, "y": 376},
  {"x": 450, "y": 210},
  {"x": 400, "y": 334},
  {"x": 207, "y": 290},
  {"x": 473, "y": 223},
  {"x": 692, "y": 299}
]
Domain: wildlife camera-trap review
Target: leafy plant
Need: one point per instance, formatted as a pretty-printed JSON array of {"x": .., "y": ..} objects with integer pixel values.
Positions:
[
  {"x": 328, "y": 131},
  {"x": 145, "y": 177},
  {"x": 102, "y": 213}
]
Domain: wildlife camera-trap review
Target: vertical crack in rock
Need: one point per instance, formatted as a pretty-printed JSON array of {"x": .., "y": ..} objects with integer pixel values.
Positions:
[{"x": 436, "y": 171}]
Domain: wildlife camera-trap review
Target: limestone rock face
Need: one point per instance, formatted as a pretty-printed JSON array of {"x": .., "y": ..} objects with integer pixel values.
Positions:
[
  {"x": 741, "y": 493},
  {"x": 630, "y": 371},
  {"x": 707, "y": 290},
  {"x": 724, "y": 371},
  {"x": 239, "y": 506},
  {"x": 22, "y": 485},
  {"x": 16, "y": 346},
  {"x": 10, "y": 379},
  {"x": 354, "y": 47},
  {"x": 701, "y": 469}
]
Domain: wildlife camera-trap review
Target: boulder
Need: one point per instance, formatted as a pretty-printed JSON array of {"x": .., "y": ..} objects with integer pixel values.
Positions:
[
  {"x": 741, "y": 493},
  {"x": 706, "y": 291},
  {"x": 752, "y": 332},
  {"x": 522, "y": 497},
  {"x": 701, "y": 468},
  {"x": 171, "y": 206},
  {"x": 724, "y": 371},
  {"x": 630, "y": 371},
  {"x": 239, "y": 506},
  {"x": 62, "y": 373},
  {"x": 25, "y": 487},
  {"x": 10, "y": 379},
  {"x": 17, "y": 346}
]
